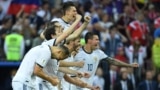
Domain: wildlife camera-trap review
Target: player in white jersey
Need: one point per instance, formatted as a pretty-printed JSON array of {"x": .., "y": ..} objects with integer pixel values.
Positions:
[
  {"x": 45, "y": 85},
  {"x": 69, "y": 12},
  {"x": 33, "y": 63},
  {"x": 48, "y": 35},
  {"x": 69, "y": 16},
  {"x": 91, "y": 55}
]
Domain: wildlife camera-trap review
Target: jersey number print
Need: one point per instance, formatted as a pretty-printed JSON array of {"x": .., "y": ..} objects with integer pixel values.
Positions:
[{"x": 90, "y": 67}]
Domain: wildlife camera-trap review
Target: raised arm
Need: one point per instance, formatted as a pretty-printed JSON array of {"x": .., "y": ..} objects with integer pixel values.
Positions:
[
  {"x": 120, "y": 63},
  {"x": 69, "y": 30},
  {"x": 77, "y": 32}
]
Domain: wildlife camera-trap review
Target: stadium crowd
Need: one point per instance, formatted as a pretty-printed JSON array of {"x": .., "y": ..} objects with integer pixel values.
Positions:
[{"x": 129, "y": 30}]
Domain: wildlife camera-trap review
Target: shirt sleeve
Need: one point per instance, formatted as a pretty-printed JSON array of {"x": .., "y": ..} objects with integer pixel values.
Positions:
[
  {"x": 102, "y": 55},
  {"x": 43, "y": 59}
]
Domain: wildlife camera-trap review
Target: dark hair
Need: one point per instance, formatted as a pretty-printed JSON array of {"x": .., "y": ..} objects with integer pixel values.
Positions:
[
  {"x": 87, "y": 6},
  {"x": 67, "y": 5},
  {"x": 50, "y": 29},
  {"x": 6, "y": 19},
  {"x": 65, "y": 50},
  {"x": 89, "y": 35},
  {"x": 112, "y": 27},
  {"x": 44, "y": 2}
]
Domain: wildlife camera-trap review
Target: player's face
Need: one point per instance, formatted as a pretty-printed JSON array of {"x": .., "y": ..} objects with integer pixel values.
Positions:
[
  {"x": 72, "y": 13},
  {"x": 77, "y": 43},
  {"x": 58, "y": 29},
  {"x": 60, "y": 55},
  {"x": 95, "y": 42}
]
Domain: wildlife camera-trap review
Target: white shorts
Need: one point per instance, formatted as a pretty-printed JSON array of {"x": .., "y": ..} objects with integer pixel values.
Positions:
[
  {"x": 65, "y": 85},
  {"x": 21, "y": 86},
  {"x": 45, "y": 86},
  {"x": 73, "y": 87}
]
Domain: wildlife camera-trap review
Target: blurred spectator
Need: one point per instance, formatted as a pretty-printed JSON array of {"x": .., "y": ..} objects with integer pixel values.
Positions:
[
  {"x": 56, "y": 13},
  {"x": 121, "y": 55},
  {"x": 156, "y": 54},
  {"x": 44, "y": 11},
  {"x": 141, "y": 4},
  {"x": 95, "y": 13},
  {"x": 113, "y": 41},
  {"x": 134, "y": 80},
  {"x": 114, "y": 8},
  {"x": 157, "y": 28},
  {"x": 156, "y": 4},
  {"x": 125, "y": 19},
  {"x": 98, "y": 79},
  {"x": 2, "y": 14},
  {"x": 5, "y": 5},
  {"x": 148, "y": 83},
  {"x": 136, "y": 53},
  {"x": 158, "y": 81},
  {"x": 4, "y": 30},
  {"x": 124, "y": 83},
  {"x": 38, "y": 40},
  {"x": 138, "y": 28},
  {"x": 28, "y": 32},
  {"x": 157, "y": 23},
  {"x": 35, "y": 20},
  {"x": 8, "y": 82},
  {"x": 106, "y": 23},
  {"x": 152, "y": 14},
  {"x": 14, "y": 45},
  {"x": 111, "y": 78}
]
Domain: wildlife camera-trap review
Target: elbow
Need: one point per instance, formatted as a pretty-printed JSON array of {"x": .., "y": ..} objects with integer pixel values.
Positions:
[
  {"x": 37, "y": 70},
  {"x": 68, "y": 79}
]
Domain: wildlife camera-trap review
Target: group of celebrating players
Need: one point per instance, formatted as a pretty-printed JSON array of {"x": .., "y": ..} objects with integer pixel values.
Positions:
[{"x": 60, "y": 62}]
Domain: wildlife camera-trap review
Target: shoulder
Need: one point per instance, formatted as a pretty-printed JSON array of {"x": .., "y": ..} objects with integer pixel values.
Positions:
[
  {"x": 98, "y": 51},
  {"x": 80, "y": 52},
  {"x": 49, "y": 42},
  {"x": 56, "y": 19}
]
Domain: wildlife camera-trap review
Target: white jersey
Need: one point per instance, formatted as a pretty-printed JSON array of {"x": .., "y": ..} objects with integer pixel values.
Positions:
[
  {"x": 38, "y": 55},
  {"x": 51, "y": 68},
  {"x": 64, "y": 24},
  {"x": 91, "y": 61},
  {"x": 51, "y": 42},
  {"x": 64, "y": 84}
]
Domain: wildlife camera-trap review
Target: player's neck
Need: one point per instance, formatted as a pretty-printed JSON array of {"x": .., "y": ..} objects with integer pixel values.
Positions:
[
  {"x": 87, "y": 48},
  {"x": 52, "y": 51},
  {"x": 65, "y": 19}
]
